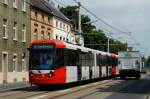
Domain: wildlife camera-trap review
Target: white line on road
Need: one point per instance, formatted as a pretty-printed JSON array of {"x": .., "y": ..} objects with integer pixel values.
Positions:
[
  {"x": 83, "y": 86},
  {"x": 39, "y": 97},
  {"x": 95, "y": 83},
  {"x": 64, "y": 90}
]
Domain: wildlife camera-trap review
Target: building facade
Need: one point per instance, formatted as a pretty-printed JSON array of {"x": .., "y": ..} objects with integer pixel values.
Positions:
[
  {"x": 61, "y": 30},
  {"x": 79, "y": 40},
  {"x": 47, "y": 22},
  {"x": 41, "y": 25},
  {"x": 14, "y": 40}
]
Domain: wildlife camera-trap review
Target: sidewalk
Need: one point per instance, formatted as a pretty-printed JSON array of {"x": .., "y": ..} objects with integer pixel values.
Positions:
[{"x": 9, "y": 86}]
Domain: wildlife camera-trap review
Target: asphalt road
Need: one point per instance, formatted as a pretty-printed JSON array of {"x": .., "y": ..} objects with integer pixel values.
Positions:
[{"x": 106, "y": 89}]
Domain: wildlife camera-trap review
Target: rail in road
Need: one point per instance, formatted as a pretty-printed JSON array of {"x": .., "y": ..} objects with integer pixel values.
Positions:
[
  {"x": 83, "y": 92},
  {"x": 35, "y": 93}
]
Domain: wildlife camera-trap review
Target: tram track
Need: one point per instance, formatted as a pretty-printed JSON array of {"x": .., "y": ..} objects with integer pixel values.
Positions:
[
  {"x": 70, "y": 90},
  {"x": 86, "y": 87},
  {"x": 31, "y": 92},
  {"x": 82, "y": 88},
  {"x": 26, "y": 93},
  {"x": 123, "y": 85},
  {"x": 18, "y": 91}
]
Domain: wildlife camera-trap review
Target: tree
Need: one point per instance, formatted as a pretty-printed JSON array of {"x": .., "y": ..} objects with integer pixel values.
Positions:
[
  {"x": 72, "y": 13},
  {"x": 148, "y": 62},
  {"x": 93, "y": 38}
]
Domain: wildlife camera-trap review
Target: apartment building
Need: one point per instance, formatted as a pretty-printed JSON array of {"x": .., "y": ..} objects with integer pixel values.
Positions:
[
  {"x": 47, "y": 22},
  {"x": 14, "y": 40}
]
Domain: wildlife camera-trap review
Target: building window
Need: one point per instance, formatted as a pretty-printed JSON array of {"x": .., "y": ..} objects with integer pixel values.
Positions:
[
  {"x": 15, "y": 31},
  {"x": 23, "y": 62},
  {"x": 42, "y": 17},
  {"x": 64, "y": 26},
  {"x": 15, "y": 3},
  {"x": 6, "y": 2},
  {"x": 64, "y": 39},
  {"x": 14, "y": 62},
  {"x": 5, "y": 32},
  {"x": 56, "y": 23},
  {"x": 35, "y": 34},
  {"x": 49, "y": 36},
  {"x": 24, "y": 5},
  {"x": 35, "y": 15},
  {"x": 60, "y": 38},
  {"x": 60, "y": 25},
  {"x": 67, "y": 28},
  {"x": 56, "y": 37},
  {"x": 49, "y": 20},
  {"x": 42, "y": 35},
  {"x": 23, "y": 33}
]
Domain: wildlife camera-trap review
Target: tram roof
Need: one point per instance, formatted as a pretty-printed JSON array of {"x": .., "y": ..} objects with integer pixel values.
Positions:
[{"x": 85, "y": 49}]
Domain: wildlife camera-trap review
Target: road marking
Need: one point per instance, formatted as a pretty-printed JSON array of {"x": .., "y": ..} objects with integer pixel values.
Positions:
[
  {"x": 95, "y": 83},
  {"x": 83, "y": 86},
  {"x": 62, "y": 91},
  {"x": 39, "y": 97}
]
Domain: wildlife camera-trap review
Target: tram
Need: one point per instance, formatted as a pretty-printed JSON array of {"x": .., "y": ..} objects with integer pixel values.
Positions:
[{"x": 56, "y": 62}]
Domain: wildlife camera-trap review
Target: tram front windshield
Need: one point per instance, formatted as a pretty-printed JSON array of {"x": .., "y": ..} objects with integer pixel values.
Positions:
[{"x": 42, "y": 57}]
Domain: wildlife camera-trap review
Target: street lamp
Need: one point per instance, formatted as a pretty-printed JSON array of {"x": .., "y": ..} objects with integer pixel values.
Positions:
[
  {"x": 108, "y": 43},
  {"x": 90, "y": 22}
]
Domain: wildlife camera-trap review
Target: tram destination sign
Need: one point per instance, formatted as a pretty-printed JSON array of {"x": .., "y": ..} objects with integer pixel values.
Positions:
[{"x": 42, "y": 46}]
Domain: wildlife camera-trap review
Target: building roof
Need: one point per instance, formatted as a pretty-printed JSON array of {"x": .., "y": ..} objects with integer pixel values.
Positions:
[{"x": 48, "y": 8}]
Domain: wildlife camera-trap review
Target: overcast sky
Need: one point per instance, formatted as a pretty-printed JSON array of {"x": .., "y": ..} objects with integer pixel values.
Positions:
[{"x": 126, "y": 15}]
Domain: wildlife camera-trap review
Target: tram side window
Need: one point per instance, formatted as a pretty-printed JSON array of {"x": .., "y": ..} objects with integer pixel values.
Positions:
[
  {"x": 71, "y": 57},
  {"x": 91, "y": 59},
  {"x": 109, "y": 61},
  {"x": 104, "y": 60},
  {"x": 86, "y": 59},
  {"x": 99, "y": 60},
  {"x": 75, "y": 57},
  {"x": 83, "y": 59},
  {"x": 59, "y": 58}
]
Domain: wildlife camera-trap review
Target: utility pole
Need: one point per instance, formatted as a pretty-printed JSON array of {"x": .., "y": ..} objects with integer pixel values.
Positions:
[
  {"x": 108, "y": 44},
  {"x": 79, "y": 20},
  {"x": 126, "y": 46}
]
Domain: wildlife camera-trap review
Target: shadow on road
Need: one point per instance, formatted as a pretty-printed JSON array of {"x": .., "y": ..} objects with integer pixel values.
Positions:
[
  {"x": 51, "y": 87},
  {"x": 141, "y": 86},
  {"x": 41, "y": 88},
  {"x": 55, "y": 87}
]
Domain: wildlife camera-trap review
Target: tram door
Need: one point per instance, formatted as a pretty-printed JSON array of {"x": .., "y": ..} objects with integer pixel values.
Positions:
[
  {"x": 107, "y": 70},
  {"x": 79, "y": 64},
  {"x": 90, "y": 72},
  {"x": 100, "y": 71},
  {"x": 79, "y": 72},
  {"x": 5, "y": 66}
]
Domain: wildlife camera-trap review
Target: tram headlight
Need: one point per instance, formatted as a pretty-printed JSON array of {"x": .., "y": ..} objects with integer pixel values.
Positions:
[
  {"x": 43, "y": 75},
  {"x": 50, "y": 73},
  {"x": 31, "y": 74}
]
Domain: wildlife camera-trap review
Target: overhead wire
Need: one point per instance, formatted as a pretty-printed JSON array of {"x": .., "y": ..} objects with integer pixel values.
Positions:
[
  {"x": 60, "y": 3},
  {"x": 107, "y": 24},
  {"x": 104, "y": 22}
]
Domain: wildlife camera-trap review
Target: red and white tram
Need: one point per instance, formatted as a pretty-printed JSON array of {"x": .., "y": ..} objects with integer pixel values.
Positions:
[{"x": 57, "y": 62}]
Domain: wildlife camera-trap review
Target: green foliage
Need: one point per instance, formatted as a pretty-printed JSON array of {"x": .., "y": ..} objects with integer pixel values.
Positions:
[
  {"x": 93, "y": 38},
  {"x": 147, "y": 62},
  {"x": 72, "y": 13}
]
